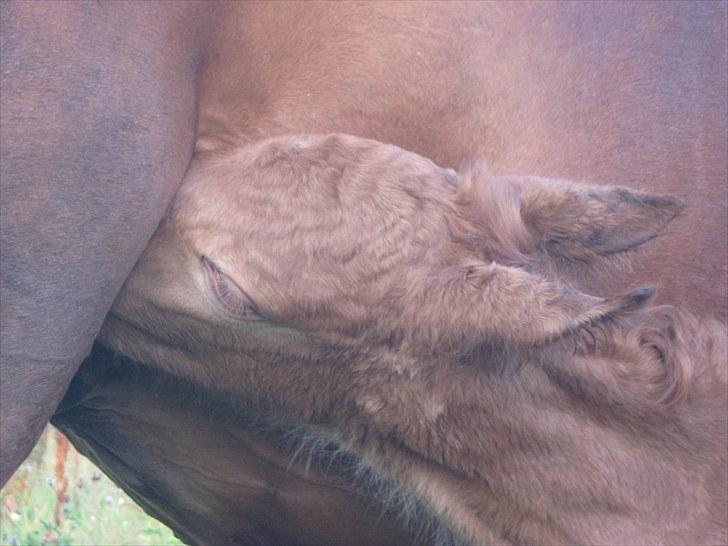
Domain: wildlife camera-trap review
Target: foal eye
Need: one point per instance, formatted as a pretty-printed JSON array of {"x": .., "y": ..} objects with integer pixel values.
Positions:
[{"x": 228, "y": 293}]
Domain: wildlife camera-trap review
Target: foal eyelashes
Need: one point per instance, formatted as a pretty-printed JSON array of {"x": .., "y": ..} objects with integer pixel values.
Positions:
[{"x": 228, "y": 293}]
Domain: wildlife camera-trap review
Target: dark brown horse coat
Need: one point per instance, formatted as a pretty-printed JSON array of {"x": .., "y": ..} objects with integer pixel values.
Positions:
[{"x": 103, "y": 105}]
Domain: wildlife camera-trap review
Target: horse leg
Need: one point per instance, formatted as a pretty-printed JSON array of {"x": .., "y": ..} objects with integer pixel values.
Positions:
[{"x": 98, "y": 115}]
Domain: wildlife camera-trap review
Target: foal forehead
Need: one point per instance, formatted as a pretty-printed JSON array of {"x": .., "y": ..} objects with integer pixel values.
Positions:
[
  {"x": 304, "y": 180},
  {"x": 320, "y": 160}
]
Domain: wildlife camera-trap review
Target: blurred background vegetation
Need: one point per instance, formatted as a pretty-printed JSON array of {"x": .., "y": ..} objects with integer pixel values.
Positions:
[{"x": 58, "y": 497}]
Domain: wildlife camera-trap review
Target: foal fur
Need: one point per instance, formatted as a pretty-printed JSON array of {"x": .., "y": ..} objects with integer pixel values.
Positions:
[{"x": 415, "y": 317}]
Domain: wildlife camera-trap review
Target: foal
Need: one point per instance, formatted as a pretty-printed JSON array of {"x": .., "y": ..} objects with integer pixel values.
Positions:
[{"x": 414, "y": 316}]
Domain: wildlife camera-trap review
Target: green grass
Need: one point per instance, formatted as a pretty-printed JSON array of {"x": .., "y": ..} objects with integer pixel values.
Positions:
[{"x": 95, "y": 511}]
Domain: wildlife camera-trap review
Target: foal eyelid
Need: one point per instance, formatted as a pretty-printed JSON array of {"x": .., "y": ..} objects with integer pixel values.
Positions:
[{"x": 232, "y": 298}]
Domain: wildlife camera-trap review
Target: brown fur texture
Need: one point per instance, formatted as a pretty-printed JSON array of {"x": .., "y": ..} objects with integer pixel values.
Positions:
[
  {"x": 103, "y": 104},
  {"x": 412, "y": 317}
]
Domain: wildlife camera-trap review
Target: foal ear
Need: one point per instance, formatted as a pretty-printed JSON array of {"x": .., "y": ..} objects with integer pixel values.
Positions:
[
  {"x": 510, "y": 304},
  {"x": 579, "y": 221}
]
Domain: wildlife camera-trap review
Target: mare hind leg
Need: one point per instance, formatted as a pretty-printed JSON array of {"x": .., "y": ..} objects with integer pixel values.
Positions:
[{"x": 97, "y": 115}]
